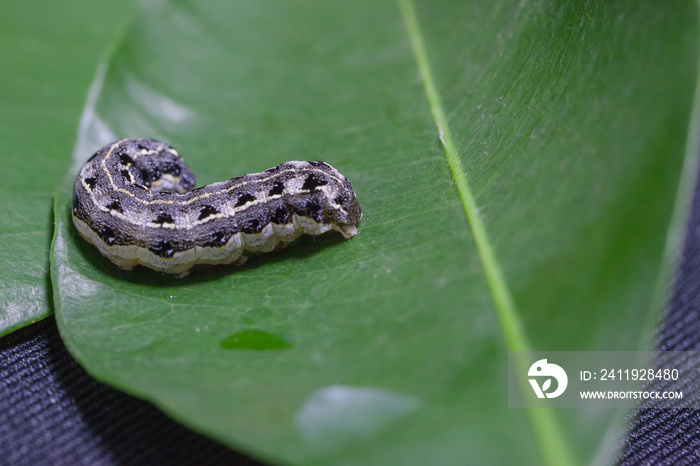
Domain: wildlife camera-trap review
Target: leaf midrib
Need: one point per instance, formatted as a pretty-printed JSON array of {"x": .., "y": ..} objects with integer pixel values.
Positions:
[{"x": 554, "y": 448}]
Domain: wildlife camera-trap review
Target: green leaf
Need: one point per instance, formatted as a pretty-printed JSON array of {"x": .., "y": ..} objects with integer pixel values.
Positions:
[
  {"x": 517, "y": 163},
  {"x": 48, "y": 52}
]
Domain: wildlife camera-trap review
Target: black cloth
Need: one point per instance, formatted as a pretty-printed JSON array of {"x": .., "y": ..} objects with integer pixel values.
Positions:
[
  {"x": 53, "y": 412},
  {"x": 672, "y": 436}
]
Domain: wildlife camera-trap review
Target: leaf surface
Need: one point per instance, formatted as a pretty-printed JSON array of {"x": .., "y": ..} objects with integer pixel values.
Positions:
[
  {"x": 517, "y": 163},
  {"x": 48, "y": 53}
]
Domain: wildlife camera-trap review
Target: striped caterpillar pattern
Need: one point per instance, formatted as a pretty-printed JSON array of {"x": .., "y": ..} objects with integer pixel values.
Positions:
[{"x": 134, "y": 200}]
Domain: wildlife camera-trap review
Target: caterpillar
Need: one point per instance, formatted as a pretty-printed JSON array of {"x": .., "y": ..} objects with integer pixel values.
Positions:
[{"x": 135, "y": 201}]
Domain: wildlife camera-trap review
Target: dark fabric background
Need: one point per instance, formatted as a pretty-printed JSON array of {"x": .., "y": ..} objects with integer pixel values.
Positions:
[
  {"x": 672, "y": 437},
  {"x": 52, "y": 412}
]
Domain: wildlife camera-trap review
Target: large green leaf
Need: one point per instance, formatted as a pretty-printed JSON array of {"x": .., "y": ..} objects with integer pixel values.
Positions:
[
  {"x": 48, "y": 52},
  {"x": 517, "y": 163}
]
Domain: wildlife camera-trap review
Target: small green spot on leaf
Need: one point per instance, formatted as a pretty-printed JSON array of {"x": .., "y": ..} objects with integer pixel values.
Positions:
[{"x": 254, "y": 340}]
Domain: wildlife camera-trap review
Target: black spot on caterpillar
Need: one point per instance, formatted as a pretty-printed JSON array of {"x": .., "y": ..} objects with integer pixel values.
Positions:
[
  {"x": 206, "y": 212},
  {"x": 243, "y": 199},
  {"x": 164, "y": 218},
  {"x": 91, "y": 181},
  {"x": 134, "y": 200},
  {"x": 115, "y": 205},
  {"x": 313, "y": 182},
  {"x": 277, "y": 188}
]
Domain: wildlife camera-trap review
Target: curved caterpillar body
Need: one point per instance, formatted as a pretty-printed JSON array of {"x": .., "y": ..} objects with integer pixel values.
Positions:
[{"x": 134, "y": 200}]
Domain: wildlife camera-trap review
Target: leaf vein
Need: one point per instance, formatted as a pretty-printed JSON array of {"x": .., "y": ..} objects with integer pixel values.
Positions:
[{"x": 553, "y": 446}]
